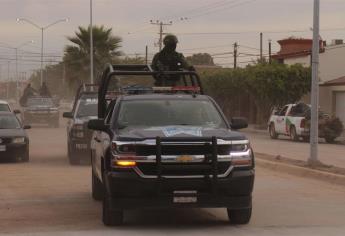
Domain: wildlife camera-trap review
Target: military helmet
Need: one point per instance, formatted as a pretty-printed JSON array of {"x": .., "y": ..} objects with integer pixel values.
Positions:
[{"x": 170, "y": 39}]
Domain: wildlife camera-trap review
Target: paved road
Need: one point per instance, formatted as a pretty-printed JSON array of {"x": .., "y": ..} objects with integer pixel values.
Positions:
[
  {"x": 330, "y": 154},
  {"x": 49, "y": 197}
]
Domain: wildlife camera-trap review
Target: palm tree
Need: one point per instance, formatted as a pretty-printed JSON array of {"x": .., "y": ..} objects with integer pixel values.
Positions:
[{"x": 77, "y": 56}]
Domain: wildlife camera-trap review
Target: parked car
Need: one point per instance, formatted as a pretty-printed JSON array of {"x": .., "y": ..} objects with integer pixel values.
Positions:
[
  {"x": 168, "y": 147},
  {"x": 41, "y": 110},
  {"x": 5, "y": 106},
  {"x": 293, "y": 120},
  {"x": 78, "y": 134},
  {"x": 14, "y": 142}
]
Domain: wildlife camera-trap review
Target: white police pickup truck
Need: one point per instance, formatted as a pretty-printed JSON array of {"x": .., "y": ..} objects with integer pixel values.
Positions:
[{"x": 290, "y": 121}]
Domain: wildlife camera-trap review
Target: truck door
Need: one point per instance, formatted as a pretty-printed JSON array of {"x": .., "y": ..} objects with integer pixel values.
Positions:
[{"x": 281, "y": 119}]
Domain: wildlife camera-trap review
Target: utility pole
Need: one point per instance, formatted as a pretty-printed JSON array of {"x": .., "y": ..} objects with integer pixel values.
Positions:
[
  {"x": 261, "y": 47},
  {"x": 8, "y": 79},
  {"x": 314, "y": 132},
  {"x": 235, "y": 55},
  {"x": 146, "y": 54},
  {"x": 91, "y": 45},
  {"x": 270, "y": 51},
  {"x": 161, "y": 31}
]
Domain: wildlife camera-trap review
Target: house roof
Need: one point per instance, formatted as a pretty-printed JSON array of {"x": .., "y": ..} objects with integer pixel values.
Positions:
[
  {"x": 335, "y": 82},
  {"x": 292, "y": 54},
  {"x": 295, "y": 48}
]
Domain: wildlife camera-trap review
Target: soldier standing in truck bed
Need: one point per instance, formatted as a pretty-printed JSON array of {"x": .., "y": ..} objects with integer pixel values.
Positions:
[{"x": 169, "y": 60}]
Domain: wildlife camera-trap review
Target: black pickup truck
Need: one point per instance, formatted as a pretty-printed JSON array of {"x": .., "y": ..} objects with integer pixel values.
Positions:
[
  {"x": 41, "y": 110},
  {"x": 167, "y": 147},
  {"x": 78, "y": 135}
]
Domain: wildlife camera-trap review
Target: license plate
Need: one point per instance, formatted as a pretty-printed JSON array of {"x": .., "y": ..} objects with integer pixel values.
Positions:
[
  {"x": 2, "y": 148},
  {"x": 185, "y": 197}
]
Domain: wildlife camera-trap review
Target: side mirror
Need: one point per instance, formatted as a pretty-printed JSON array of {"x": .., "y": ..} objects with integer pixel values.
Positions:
[
  {"x": 67, "y": 115},
  {"x": 27, "y": 127},
  {"x": 97, "y": 124},
  {"x": 16, "y": 111},
  {"x": 238, "y": 123}
]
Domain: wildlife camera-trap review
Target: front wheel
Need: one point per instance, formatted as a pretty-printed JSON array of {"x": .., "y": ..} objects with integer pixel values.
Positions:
[
  {"x": 72, "y": 157},
  {"x": 111, "y": 217},
  {"x": 272, "y": 131},
  {"x": 97, "y": 188},
  {"x": 26, "y": 156},
  {"x": 240, "y": 216}
]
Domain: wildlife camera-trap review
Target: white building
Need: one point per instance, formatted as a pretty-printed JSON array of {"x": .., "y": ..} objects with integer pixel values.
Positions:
[{"x": 331, "y": 70}]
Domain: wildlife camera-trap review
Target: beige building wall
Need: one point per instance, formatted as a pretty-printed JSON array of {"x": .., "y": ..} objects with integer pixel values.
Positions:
[
  {"x": 332, "y": 63},
  {"x": 332, "y": 66}
]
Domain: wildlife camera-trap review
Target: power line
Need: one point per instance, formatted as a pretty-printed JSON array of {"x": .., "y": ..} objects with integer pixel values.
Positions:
[
  {"x": 181, "y": 15},
  {"x": 257, "y": 32},
  {"x": 222, "y": 9},
  {"x": 161, "y": 29}
]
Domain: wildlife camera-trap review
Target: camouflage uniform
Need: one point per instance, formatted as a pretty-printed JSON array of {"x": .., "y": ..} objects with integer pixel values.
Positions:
[{"x": 169, "y": 60}]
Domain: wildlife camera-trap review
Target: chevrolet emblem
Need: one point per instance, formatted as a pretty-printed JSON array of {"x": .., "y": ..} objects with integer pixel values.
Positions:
[{"x": 185, "y": 158}]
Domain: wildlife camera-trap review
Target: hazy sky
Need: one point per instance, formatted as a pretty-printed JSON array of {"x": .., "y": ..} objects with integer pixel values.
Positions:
[{"x": 130, "y": 19}]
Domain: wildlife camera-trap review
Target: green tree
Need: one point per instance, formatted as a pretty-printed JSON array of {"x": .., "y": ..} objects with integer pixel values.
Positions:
[
  {"x": 268, "y": 85},
  {"x": 200, "y": 59},
  {"x": 77, "y": 56}
]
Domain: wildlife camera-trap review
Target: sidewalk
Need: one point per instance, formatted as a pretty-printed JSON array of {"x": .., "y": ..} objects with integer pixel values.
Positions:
[
  {"x": 329, "y": 154},
  {"x": 252, "y": 129}
]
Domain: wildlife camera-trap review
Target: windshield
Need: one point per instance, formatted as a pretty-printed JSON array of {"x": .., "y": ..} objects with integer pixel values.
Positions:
[
  {"x": 9, "y": 122},
  {"x": 151, "y": 113},
  {"x": 4, "y": 107},
  {"x": 87, "y": 107},
  {"x": 40, "y": 102}
]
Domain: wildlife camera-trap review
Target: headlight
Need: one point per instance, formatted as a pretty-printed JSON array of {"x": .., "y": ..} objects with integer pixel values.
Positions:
[
  {"x": 18, "y": 140},
  {"x": 239, "y": 147},
  {"x": 78, "y": 127},
  {"x": 78, "y": 131},
  {"x": 241, "y": 154}
]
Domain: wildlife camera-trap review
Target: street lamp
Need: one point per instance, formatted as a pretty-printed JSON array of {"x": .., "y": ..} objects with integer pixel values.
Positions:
[{"x": 42, "y": 28}]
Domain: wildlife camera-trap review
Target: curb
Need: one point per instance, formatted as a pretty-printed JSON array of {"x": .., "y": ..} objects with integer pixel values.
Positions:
[{"x": 301, "y": 171}]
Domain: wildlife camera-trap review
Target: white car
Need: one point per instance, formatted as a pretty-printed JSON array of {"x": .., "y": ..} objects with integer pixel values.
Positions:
[
  {"x": 5, "y": 106},
  {"x": 289, "y": 121}
]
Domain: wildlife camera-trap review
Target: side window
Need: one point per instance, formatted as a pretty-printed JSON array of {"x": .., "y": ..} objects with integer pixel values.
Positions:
[
  {"x": 109, "y": 112},
  {"x": 283, "y": 111}
]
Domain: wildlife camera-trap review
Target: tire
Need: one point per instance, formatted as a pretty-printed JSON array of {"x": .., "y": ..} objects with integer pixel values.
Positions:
[
  {"x": 97, "y": 188},
  {"x": 73, "y": 160},
  {"x": 26, "y": 156},
  {"x": 240, "y": 216},
  {"x": 306, "y": 139},
  {"x": 293, "y": 134},
  {"x": 111, "y": 217},
  {"x": 272, "y": 131},
  {"x": 329, "y": 139}
]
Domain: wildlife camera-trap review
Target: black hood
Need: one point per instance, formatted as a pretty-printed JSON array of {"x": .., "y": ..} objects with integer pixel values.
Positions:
[
  {"x": 12, "y": 133},
  {"x": 128, "y": 134}
]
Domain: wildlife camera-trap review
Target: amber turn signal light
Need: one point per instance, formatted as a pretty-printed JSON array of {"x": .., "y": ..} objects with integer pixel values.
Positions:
[{"x": 125, "y": 163}]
